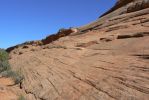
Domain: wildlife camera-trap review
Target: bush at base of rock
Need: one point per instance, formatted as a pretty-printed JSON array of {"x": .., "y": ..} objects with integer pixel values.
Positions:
[{"x": 5, "y": 69}]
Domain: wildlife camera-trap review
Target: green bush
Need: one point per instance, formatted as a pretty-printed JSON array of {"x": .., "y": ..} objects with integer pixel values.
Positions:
[
  {"x": 3, "y": 55},
  {"x": 16, "y": 76},
  {"x": 4, "y": 64},
  {"x": 21, "y": 97},
  {"x": 5, "y": 69},
  {"x": 62, "y": 29}
]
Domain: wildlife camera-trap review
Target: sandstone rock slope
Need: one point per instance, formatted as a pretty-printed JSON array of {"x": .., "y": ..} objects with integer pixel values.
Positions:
[{"x": 104, "y": 60}]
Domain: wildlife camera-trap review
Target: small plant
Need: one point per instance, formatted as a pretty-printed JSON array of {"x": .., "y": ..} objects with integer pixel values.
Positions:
[
  {"x": 62, "y": 29},
  {"x": 5, "y": 69},
  {"x": 57, "y": 46},
  {"x": 4, "y": 64},
  {"x": 21, "y": 97},
  {"x": 3, "y": 55},
  {"x": 16, "y": 76}
]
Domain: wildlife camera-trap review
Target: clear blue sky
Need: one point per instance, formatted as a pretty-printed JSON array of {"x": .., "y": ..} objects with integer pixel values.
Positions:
[{"x": 24, "y": 20}]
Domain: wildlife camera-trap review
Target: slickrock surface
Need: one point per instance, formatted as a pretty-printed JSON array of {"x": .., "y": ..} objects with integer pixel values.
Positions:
[
  {"x": 7, "y": 90},
  {"x": 105, "y": 60}
]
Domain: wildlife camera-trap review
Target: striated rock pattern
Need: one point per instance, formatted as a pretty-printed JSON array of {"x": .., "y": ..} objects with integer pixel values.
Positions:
[
  {"x": 127, "y": 6},
  {"x": 105, "y": 60},
  {"x": 123, "y": 10}
]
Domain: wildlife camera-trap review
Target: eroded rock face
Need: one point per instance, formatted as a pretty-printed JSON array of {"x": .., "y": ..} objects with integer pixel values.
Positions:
[
  {"x": 124, "y": 9},
  {"x": 47, "y": 40},
  {"x": 60, "y": 34},
  {"x": 106, "y": 60},
  {"x": 127, "y": 6}
]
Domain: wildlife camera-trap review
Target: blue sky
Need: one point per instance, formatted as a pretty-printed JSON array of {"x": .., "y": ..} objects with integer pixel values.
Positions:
[{"x": 24, "y": 20}]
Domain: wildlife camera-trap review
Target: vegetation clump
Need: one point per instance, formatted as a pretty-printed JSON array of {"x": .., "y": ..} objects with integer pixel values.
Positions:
[
  {"x": 4, "y": 64},
  {"x": 5, "y": 68},
  {"x": 21, "y": 97}
]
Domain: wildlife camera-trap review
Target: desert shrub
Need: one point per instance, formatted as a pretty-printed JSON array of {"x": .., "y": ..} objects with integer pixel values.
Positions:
[
  {"x": 57, "y": 46},
  {"x": 4, "y": 64},
  {"x": 21, "y": 97},
  {"x": 3, "y": 55},
  {"x": 15, "y": 75},
  {"x": 5, "y": 68},
  {"x": 62, "y": 29}
]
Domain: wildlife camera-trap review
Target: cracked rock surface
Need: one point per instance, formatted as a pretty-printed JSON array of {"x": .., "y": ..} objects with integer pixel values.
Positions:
[{"x": 107, "y": 60}]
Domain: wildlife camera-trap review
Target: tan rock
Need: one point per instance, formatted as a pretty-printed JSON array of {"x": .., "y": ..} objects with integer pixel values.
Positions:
[{"x": 96, "y": 70}]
